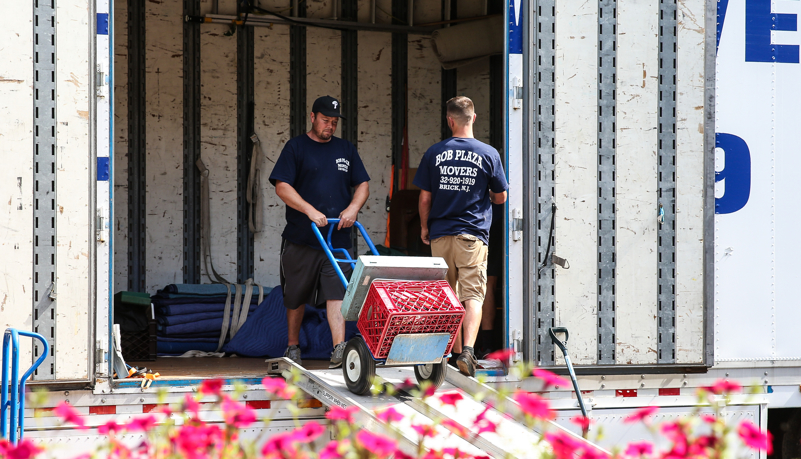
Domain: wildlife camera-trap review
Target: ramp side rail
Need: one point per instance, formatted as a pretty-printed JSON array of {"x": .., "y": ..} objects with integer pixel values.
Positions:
[{"x": 12, "y": 411}]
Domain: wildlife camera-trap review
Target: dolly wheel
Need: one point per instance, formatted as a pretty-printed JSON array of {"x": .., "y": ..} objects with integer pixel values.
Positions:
[
  {"x": 358, "y": 366},
  {"x": 432, "y": 372}
]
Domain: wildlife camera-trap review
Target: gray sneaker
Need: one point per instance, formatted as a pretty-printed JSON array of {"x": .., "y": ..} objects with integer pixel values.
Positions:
[
  {"x": 336, "y": 355},
  {"x": 293, "y": 352}
]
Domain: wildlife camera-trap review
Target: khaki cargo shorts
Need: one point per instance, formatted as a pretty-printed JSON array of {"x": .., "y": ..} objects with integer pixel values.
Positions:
[{"x": 466, "y": 256}]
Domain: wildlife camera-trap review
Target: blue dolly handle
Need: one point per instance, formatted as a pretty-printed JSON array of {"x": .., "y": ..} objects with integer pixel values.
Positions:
[
  {"x": 13, "y": 411},
  {"x": 329, "y": 249}
]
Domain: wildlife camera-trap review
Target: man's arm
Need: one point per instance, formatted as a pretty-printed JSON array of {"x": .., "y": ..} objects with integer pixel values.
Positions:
[
  {"x": 498, "y": 198},
  {"x": 348, "y": 216},
  {"x": 424, "y": 208},
  {"x": 290, "y": 196}
]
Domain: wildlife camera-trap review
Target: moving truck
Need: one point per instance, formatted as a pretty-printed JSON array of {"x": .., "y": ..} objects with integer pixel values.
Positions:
[{"x": 649, "y": 147}]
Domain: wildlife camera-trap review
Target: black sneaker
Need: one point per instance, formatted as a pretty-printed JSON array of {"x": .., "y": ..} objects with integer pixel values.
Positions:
[
  {"x": 293, "y": 352},
  {"x": 467, "y": 363},
  {"x": 336, "y": 355}
]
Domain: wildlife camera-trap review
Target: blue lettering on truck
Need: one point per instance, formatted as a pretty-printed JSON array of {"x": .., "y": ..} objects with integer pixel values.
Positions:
[
  {"x": 759, "y": 22},
  {"x": 736, "y": 172}
]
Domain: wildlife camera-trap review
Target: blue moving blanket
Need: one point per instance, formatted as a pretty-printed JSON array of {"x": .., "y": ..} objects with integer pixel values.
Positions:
[
  {"x": 194, "y": 308},
  {"x": 187, "y": 318},
  {"x": 203, "y": 289},
  {"x": 265, "y": 333}
]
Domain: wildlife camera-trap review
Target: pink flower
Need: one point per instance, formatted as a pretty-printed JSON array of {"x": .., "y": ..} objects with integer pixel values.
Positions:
[
  {"x": 639, "y": 449},
  {"x": 333, "y": 448},
  {"x": 455, "y": 453},
  {"x": 389, "y": 415},
  {"x": 564, "y": 445},
  {"x": 702, "y": 444},
  {"x": 141, "y": 424},
  {"x": 342, "y": 414},
  {"x": 593, "y": 453},
  {"x": 25, "y": 449},
  {"x": 236, "y": 414},
  {"x": 482, "y": 423},
  {"x": 279, "y": 445},
  {"x": 709, "y": 419},
  {"x": 211, "y": 386},
  {"x": 550, "y": 379},
  {"x": 194, "y": 441},
  {"x": 425, "y": 430},
  {"x": 429, "y": 391},
  {"x": 755, "y": 438},
  {"x": 278, "y": 387},
  {"x": 308, "y": 433},
  {"x": 503, "y": 355},
  {"x": 534, "y": 405},
  {"x": 581, "y": 421},
  {"x": 722, "y": 386},
  {"x": 69, "y": 415},
  {"x": 191, "y": 405},
  {"x": 641, "y": 414},
  {"x": 455, "y": 427},
  {"x": 379, "y": 445},
  {"x": 450, "y": 398},
  {"x": 399, "y": 454},
  {"x": 109, "y": 427}
]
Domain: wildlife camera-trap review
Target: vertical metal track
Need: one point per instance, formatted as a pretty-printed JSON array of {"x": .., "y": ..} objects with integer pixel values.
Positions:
[
  {"x": 607, "y": 53},
  {"x": 400, "y": 69},
  {"x": 350, "y": 85},
  {"x": 191, "y": 145},
  {"x": 244, "y": 107},
  {"x": 709, "y": 181},
  {"x": 137, "y": 146},
  {"x": 666, "y": 233},
  {"x": 448, "y": 92},
  {"x": 297, "y": 76},
  {"x": 350, "y": 75},
  {"x": 529, "y": 163},
  {"x": 497, "y": 134},
  {"x": 449, "y": 82},
  {"x": 545, "y": 148},
  {"x": 44, "y": 181}
]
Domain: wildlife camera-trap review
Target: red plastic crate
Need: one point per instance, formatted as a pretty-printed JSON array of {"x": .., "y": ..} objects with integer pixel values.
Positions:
[{"x": 399, "y": 307}]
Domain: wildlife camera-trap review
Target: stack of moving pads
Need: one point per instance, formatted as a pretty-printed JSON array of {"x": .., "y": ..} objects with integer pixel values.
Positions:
[{"x": 193, "y": 318}]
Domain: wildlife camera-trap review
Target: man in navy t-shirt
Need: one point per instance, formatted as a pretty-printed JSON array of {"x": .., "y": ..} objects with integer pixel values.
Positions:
[
  {"x": 314, "y": 176},
  {"x": 460, "y": 177}
]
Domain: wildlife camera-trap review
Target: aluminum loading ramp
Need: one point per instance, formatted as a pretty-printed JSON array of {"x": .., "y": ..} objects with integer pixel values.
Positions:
[{"x": 511, "y": 439}]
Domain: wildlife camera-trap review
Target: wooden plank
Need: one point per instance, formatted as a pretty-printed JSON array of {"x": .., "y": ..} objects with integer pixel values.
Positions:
[
  {"x": 164, "y": 182},
  {"x": 120, "y": 227},
  {"x": 218, "y": 143},
  {"x": 74, "y": 209},
  {"x": 271, "y": 93},
  {"x": 375, "y": 127},
  {"x": 16, "y": 177},
  {"x": 635, "y": 185},
  {"x": 690, "y": 183},
  {"x": 423, "y": 98},
  {"x": 576, "y": 178}
]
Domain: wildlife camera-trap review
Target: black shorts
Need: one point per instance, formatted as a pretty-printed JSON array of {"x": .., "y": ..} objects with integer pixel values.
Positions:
[
  {"x": 307, "y": 276},
  {"x": 496, "y": 248}
]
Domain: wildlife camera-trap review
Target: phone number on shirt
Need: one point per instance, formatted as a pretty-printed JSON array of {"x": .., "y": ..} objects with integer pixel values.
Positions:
[{"x": 457, "y": 180}]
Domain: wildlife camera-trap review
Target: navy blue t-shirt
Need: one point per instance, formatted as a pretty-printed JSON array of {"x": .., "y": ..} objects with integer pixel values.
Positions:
[
  {"x": 323, "y": 175},
  {"x": 459, "y": 173}
]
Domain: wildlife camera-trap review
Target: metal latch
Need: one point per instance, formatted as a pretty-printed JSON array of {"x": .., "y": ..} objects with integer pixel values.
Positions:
[
  {"x": 517, "y": 224},
  {"x": 517, "y": 345},
  {"x": 517, "y": 93},
  {"x": 102, "y": 226}
]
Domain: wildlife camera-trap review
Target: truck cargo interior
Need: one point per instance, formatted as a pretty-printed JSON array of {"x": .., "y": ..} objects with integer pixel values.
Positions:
[{"x": 204, "y": 86}]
